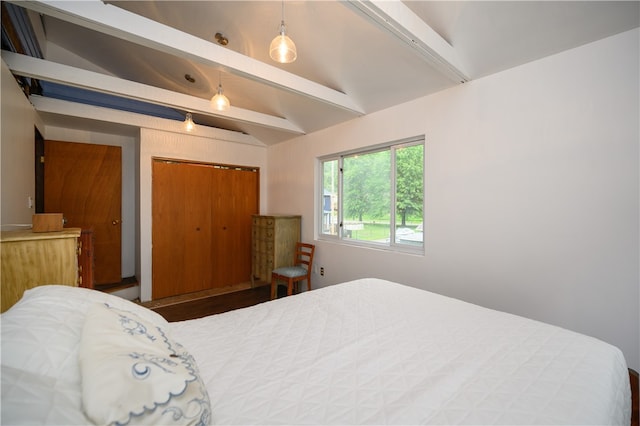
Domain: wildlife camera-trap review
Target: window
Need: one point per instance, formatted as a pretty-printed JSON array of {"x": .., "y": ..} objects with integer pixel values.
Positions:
[{"x": 375, "y": 197}]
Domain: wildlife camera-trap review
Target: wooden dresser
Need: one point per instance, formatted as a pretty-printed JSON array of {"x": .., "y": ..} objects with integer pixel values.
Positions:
[
  {"x": 30, "y": 259},
  {"x": 273, "y": 243}
]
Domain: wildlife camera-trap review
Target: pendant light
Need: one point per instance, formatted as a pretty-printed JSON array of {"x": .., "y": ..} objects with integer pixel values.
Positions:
[
  {"x": 220, "y": 101},
  {"x": 189, "y": 125},
  {"x": 282, "y": 48}
]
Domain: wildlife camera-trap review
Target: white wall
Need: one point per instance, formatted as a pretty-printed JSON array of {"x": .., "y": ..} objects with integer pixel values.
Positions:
[
  {"x": 531, "y": 191},
  {"x": 156, "y": 143},
  {"x": 18, "y": 120},
  {"x": 129, "y": 186}
]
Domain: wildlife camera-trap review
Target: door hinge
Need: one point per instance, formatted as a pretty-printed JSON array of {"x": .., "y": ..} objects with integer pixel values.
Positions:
[{"x": 42, "y": 159}]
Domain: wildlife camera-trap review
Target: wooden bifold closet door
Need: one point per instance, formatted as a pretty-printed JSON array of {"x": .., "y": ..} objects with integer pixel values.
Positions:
[{"x": 201, "y": 230}]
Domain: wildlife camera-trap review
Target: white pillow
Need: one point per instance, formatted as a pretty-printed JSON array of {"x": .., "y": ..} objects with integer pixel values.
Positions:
[
  {"x": 133, "y": 373},
  {"x": 42, "y": 332}
]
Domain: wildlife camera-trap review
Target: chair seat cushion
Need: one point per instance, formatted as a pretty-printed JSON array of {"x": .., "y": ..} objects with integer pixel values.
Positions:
[{"x": 291, "y": 271}]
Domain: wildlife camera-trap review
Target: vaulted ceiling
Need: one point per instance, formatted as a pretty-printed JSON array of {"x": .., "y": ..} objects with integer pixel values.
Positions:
[{"x": 354, "y": 57}]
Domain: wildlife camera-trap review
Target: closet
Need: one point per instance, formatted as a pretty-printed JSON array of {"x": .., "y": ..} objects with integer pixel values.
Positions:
[{"x": 201, "y": 230}]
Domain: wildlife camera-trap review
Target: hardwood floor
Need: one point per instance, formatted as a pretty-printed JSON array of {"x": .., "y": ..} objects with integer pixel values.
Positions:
[
  {"x": 214, "y": 304},
  {"x": 113, "y": 287}
]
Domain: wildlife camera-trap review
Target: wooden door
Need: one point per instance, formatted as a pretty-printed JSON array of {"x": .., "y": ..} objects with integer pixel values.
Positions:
[
  {"x": 84, "y": 182},
  {"x": 235, "y": 200},
  {"x": 201, "y": 226},
  {"x": 181, "y": 228}
]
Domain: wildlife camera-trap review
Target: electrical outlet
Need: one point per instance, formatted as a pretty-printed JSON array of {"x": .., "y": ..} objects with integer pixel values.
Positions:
[{"x": 322, "y": 271}]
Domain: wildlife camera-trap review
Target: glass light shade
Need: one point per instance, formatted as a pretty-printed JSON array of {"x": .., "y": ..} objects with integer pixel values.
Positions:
[
  {"x": 220, "y": 101},
  {"x": 282, "y": 48},
  {"x": 189, "y": 125}
]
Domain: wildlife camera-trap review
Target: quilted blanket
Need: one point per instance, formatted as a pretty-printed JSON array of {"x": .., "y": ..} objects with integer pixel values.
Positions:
[
  {"x": 363, "y": 352},
  {"x": 376, "y": 352}
]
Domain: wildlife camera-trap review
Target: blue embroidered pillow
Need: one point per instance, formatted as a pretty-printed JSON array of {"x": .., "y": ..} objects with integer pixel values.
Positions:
[{"x": 134, "y": 373}]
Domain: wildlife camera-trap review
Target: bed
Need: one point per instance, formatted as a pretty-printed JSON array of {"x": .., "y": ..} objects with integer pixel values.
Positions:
[{"x": 363, "y": 352}]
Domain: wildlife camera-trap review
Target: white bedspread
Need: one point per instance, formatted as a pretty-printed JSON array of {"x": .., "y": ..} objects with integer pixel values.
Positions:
[
  {"x": 367, "y": 351},
  {"x": 375, "y": 352}
]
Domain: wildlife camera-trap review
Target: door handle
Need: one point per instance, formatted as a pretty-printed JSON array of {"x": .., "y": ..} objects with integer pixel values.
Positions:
[{"x": 114, "y": 222}]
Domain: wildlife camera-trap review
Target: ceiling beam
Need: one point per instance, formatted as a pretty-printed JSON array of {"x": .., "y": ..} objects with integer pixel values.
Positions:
[
  {"x": 396, "y": 18},
  {"x": 123, "y": 118},
  {"x": 51, "y": 71},
  {"x": 112, "y": 20}
]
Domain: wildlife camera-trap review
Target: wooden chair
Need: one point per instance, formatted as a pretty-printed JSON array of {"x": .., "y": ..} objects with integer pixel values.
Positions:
[{"x": 300, "y": 271}]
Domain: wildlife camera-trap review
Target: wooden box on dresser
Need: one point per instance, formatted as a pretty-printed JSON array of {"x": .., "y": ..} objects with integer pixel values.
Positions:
[
  {"x": 30, "y": 259},
  {"x": 273, "y": 243}
]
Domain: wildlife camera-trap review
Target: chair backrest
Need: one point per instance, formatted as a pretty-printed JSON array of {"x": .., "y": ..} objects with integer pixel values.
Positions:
[{"x": 304, "y": 255}]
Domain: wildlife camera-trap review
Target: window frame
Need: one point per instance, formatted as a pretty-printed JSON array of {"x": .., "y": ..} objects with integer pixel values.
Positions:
[{"x": 339, "y": 238}]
